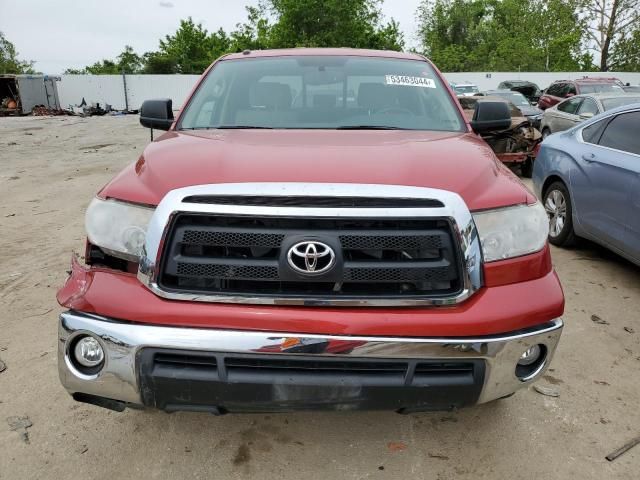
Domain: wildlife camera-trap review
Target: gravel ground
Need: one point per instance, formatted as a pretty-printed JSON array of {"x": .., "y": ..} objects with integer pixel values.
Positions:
[{"x": 49, "y": 170}]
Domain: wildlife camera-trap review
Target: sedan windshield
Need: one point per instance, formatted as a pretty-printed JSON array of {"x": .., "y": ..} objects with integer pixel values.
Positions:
[
  {"x": 322, "y": 92},
  {"x": 466, "y": 89},
  {"x": 516, "y": 98},
  {"x": 615, "y": 102}
]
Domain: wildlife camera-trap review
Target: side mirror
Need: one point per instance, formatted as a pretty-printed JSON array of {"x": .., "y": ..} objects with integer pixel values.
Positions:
[
  {"x": 490, "y": 115},
  {"x": 157, "y": 114},
  {"x": 586, "y": 115}
]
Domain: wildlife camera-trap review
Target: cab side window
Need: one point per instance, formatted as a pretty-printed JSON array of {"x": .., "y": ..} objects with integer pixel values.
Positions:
[
  {"x": 555, "y": 89},
  {"x": 588, "y": 107},
  {"x": 570, "y": 106},
  {"x": 622, "y": 133},
  {"x": 593, "y": 132},
  {"x": 570, "y": 89}
]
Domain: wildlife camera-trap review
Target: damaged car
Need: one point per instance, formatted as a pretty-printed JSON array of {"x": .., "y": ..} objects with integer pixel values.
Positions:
[
  {"x": 532, "y": 112},
  {"x": 529, "y": 89},
  {"x": 515, "y": 146}
]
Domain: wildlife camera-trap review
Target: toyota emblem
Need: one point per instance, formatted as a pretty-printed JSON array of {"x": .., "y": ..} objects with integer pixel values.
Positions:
[{"x": 311, "y": 257}]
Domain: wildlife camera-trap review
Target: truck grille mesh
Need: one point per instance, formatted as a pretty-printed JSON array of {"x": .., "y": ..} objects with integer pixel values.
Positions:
[{"x": 245, "y": 255}]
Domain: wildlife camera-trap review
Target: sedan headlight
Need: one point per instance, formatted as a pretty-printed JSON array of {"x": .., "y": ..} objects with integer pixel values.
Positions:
[
  {"x": 512, "y": 231},
  {"x": 118, "y": 228}
]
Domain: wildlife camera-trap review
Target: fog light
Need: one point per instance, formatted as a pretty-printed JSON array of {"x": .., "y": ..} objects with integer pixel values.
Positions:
[
  {"x": 530, "y": 355},
  {"x": 88, "y": 352}
]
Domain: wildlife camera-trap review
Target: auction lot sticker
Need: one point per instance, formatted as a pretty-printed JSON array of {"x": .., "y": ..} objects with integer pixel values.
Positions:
[{"x": 410, "y": 81}]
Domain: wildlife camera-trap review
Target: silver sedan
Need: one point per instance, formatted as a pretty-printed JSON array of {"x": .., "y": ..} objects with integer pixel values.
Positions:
[{"x": 576, "y": 109}]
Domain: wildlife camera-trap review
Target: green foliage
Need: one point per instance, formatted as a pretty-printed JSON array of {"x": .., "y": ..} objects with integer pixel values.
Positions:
[
  {"x": 458, "y": 35},
  {"x": 502, "y": 35},
  {"x": 331, "y": 23},
  {"x": 254, "y": 34},
  {"x": 625, "y": 56},
  {"x": 191, "y": 49},
  {"x": 128, "y": 62},
  {"x": 272, "y": 24},
  {"x": 9, "y": 62}
]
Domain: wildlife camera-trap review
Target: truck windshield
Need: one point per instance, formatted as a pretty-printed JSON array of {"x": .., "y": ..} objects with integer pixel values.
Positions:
[
  {"x": 322, "y": 92},
  {"x": 600, "y": 88}
]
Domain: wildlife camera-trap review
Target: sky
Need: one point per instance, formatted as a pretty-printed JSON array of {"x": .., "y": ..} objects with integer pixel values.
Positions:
[{"x": 72, "y": 34}]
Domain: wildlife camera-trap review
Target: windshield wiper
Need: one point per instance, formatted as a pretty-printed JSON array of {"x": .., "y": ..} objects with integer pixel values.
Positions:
[
  {"x": 242, "y": 127},
  {"x": 367, "y": 127},
  {"x": 228, "y": 127}
]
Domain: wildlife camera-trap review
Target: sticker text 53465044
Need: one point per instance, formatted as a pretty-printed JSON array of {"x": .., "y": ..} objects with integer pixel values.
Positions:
[{"x": 410, "y": 81}]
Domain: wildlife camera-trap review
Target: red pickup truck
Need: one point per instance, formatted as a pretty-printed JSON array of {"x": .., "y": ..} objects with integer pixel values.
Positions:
[{"x": 317, "y": 229}]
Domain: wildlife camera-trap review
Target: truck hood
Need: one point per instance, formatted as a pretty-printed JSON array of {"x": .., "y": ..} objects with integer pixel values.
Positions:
[{"x": 458, "y": 162}]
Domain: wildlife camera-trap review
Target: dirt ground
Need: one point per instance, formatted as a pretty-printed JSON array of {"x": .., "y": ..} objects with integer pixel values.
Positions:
[{"x": 49, "y": 170}]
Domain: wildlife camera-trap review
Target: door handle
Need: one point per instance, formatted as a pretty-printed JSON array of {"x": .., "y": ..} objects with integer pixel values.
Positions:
[{"x": 589, "y": 157}]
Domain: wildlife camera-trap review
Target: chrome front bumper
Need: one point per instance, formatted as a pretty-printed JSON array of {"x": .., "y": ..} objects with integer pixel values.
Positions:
[{"x": 122, "y": 342}]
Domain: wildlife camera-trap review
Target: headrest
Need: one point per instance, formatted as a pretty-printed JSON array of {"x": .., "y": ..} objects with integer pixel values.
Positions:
[
  {"x": 272, "y": 95},
  {"x": 372, "y": 96},
  {"x": 325, "y": 100}
]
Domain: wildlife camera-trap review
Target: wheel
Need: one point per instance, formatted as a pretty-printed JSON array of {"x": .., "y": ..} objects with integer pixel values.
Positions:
[
  {"x": 557, "y": 203},
  {"x": 526, "y": 168},
  {"x": 545, "y": 133}
]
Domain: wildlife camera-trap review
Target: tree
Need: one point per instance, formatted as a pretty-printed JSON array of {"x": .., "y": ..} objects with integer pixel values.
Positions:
[
  {"x": 254, "y": 34},
  {"x": 271, "y": 24},
  {"x": 127, "y": 62},
  {"x": 9, "y": 62},
  {"x": 502, "y": 35},
  {"x": 190, "y": 47},
  {"x": 609, "y": 23},
  {"x": 625, "y": 56},
  {"x": 331, "y": 23}
]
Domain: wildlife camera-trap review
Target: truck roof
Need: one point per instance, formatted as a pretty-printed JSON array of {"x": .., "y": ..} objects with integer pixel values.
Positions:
[{"x": 358, "y": 52}]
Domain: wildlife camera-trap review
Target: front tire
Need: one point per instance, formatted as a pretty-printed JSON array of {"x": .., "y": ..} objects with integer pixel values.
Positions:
[{"x": 557, "y": 203}]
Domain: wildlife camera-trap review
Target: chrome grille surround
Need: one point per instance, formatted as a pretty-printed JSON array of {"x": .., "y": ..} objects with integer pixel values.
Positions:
[{"x": 454, "y": 210}]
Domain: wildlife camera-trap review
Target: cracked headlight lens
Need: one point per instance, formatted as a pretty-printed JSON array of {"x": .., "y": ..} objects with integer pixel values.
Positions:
[
  {"x": 512, "y": 231},
  {"x": 119, "y": 228}
]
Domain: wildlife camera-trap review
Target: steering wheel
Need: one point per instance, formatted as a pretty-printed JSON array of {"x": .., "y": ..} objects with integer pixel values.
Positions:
[{"x": 395, "y": 110}]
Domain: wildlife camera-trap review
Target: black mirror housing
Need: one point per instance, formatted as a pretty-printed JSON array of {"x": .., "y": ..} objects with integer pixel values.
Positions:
[
  {"x": 489, "y": 115},
  {"x": 157, "y": 114}
]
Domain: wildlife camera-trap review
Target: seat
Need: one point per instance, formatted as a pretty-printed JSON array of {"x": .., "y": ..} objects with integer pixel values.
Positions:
[
  {"x": 373, "y": 96},
  {"x": 270, "y": 95},
  {"x": 269, "y": 106}
]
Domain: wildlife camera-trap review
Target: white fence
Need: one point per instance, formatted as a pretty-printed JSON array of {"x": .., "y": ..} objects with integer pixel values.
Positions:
[{"x": 110, "y": 89}]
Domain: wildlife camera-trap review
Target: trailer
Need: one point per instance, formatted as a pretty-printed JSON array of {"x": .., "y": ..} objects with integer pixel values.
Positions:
[{"x": 19, "y": 94}]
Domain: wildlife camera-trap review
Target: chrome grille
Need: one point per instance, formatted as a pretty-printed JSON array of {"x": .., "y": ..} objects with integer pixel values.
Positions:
[{"x": 246, "y": 255}]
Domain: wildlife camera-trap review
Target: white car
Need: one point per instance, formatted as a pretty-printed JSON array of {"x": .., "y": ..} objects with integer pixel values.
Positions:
[
  {"x": 466, "y": 89},
  {"x": 576, "y": 109}
]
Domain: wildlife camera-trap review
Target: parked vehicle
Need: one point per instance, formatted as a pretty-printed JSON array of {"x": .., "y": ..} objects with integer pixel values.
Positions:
[
  {"x": 466, "y": 89},
  {"x": 562, "y": 89},
  {"x": 533, "y": 113},
  {"x": 529, "y": 89},
  {"x": 589, "y": 180},
  {"x": 516, "y": 146},
  {"x": 576, "y": 109},
  {"x": 274, "y": 251}
]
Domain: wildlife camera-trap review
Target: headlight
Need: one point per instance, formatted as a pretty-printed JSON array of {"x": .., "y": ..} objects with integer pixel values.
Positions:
[
  {"x": 512, "y": 231},
  {"x": 118, "y": 228},
  {"x": 536, "y": 117}
]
